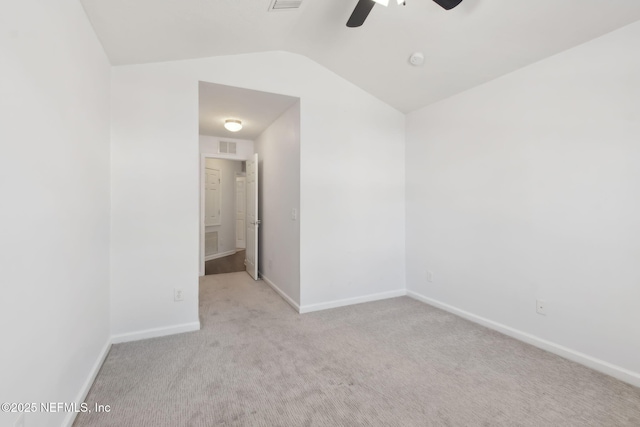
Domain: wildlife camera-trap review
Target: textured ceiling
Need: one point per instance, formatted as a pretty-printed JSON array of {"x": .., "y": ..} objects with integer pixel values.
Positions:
[{"x": 464, "y": 47}]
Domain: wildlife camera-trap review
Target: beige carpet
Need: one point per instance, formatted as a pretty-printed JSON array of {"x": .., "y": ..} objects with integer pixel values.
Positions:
[{"x": 396, "y": 362}]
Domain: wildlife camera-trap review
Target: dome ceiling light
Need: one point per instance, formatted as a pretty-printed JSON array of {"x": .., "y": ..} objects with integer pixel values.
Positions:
[{"x": 232, "y": 125}]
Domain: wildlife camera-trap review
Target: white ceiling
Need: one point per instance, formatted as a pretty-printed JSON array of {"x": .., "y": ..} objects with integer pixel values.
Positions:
[
  {"x": 257, "y": 110},
  {"x": 464, "y": 47}
]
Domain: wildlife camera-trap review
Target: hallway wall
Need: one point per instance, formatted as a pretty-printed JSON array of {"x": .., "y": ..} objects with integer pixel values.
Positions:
[{"x": 278, "y": 148}]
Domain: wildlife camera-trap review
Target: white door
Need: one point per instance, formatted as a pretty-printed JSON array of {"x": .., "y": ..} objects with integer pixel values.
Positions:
[
  {"x": 252, "y": 217},
  {"x": 212, "y": 197},
  {"x": 241, "y": 212}
]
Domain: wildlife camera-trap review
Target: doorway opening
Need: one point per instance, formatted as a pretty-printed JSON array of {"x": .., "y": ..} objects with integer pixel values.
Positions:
[
  {"x": 224, "y": 215},
  {"x": 266, "y": 146}
]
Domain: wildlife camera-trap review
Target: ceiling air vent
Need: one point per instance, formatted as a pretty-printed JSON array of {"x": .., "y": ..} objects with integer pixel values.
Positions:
[
  {"x": 277, "y": 5},
  {"x": 226, "y": 147}
]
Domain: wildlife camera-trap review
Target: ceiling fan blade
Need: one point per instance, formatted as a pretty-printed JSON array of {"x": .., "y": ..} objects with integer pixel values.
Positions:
[
  {"x": 448, "y": 4},
  {"x": 360, "y": 13}
]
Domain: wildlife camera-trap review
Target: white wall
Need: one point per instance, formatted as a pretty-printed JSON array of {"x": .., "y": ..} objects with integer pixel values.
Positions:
[
  {"x": 527, "y": 188},
  {"x": 352, "y": 184},
  {"x": 155, "y": 214},
  {"x": 227, "y": 228},
  {"x": 54, "y": 220},
  {"x": 278, "y": 149},
  {"x": 209, "y": 145}
]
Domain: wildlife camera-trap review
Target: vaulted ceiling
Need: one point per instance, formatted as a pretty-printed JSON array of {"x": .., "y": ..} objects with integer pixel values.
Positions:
[{"x": 464, "y": 47}]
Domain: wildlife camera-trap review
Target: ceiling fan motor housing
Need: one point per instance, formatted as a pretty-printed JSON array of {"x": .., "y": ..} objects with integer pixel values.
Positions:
[{"x": 448, "y": 4}]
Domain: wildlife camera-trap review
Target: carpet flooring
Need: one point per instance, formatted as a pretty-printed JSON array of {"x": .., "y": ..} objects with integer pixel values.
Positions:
[
  {"x": 396, "y": 362},
  {"x": 228, "y": 264}
]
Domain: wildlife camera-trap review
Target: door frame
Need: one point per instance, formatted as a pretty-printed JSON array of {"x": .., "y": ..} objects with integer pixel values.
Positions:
[
  {"x": 242, "y": 178},
  {"x": 202, "y": 165},
  {"x": 252, "y": 253}
]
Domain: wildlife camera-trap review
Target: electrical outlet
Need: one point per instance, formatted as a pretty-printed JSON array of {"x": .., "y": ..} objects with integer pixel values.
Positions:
[
  {"x": 541, "y": 307},
  {"x": 19, "y": 422},
  {"x": 429, "y": 276},
  {"x": 177, "y": 295},
  {"x": 294, "y": 214}
]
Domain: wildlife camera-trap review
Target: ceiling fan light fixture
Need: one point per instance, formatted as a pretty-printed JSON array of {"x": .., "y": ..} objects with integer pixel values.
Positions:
[
  {"x": 232, "y": 125},
  {"x": 386, "y": 2}
]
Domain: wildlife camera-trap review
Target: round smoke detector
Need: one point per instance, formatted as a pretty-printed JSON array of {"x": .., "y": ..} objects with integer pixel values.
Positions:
[{"x": 416, "y": 59}]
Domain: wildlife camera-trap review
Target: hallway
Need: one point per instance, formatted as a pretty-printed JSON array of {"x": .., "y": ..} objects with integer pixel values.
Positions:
[{"x": 228, "y": 264}]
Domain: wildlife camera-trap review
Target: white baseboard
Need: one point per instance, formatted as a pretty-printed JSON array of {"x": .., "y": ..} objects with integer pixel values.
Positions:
[
  {"x": 618, "y": 372},
  {"x": 219, "y": 255},
  {"x": 84, "y": 391},
  {"x": 280, "y": 292},
  {"x": 155, "y": 332},
  {"x": 351, "y": 301}
]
